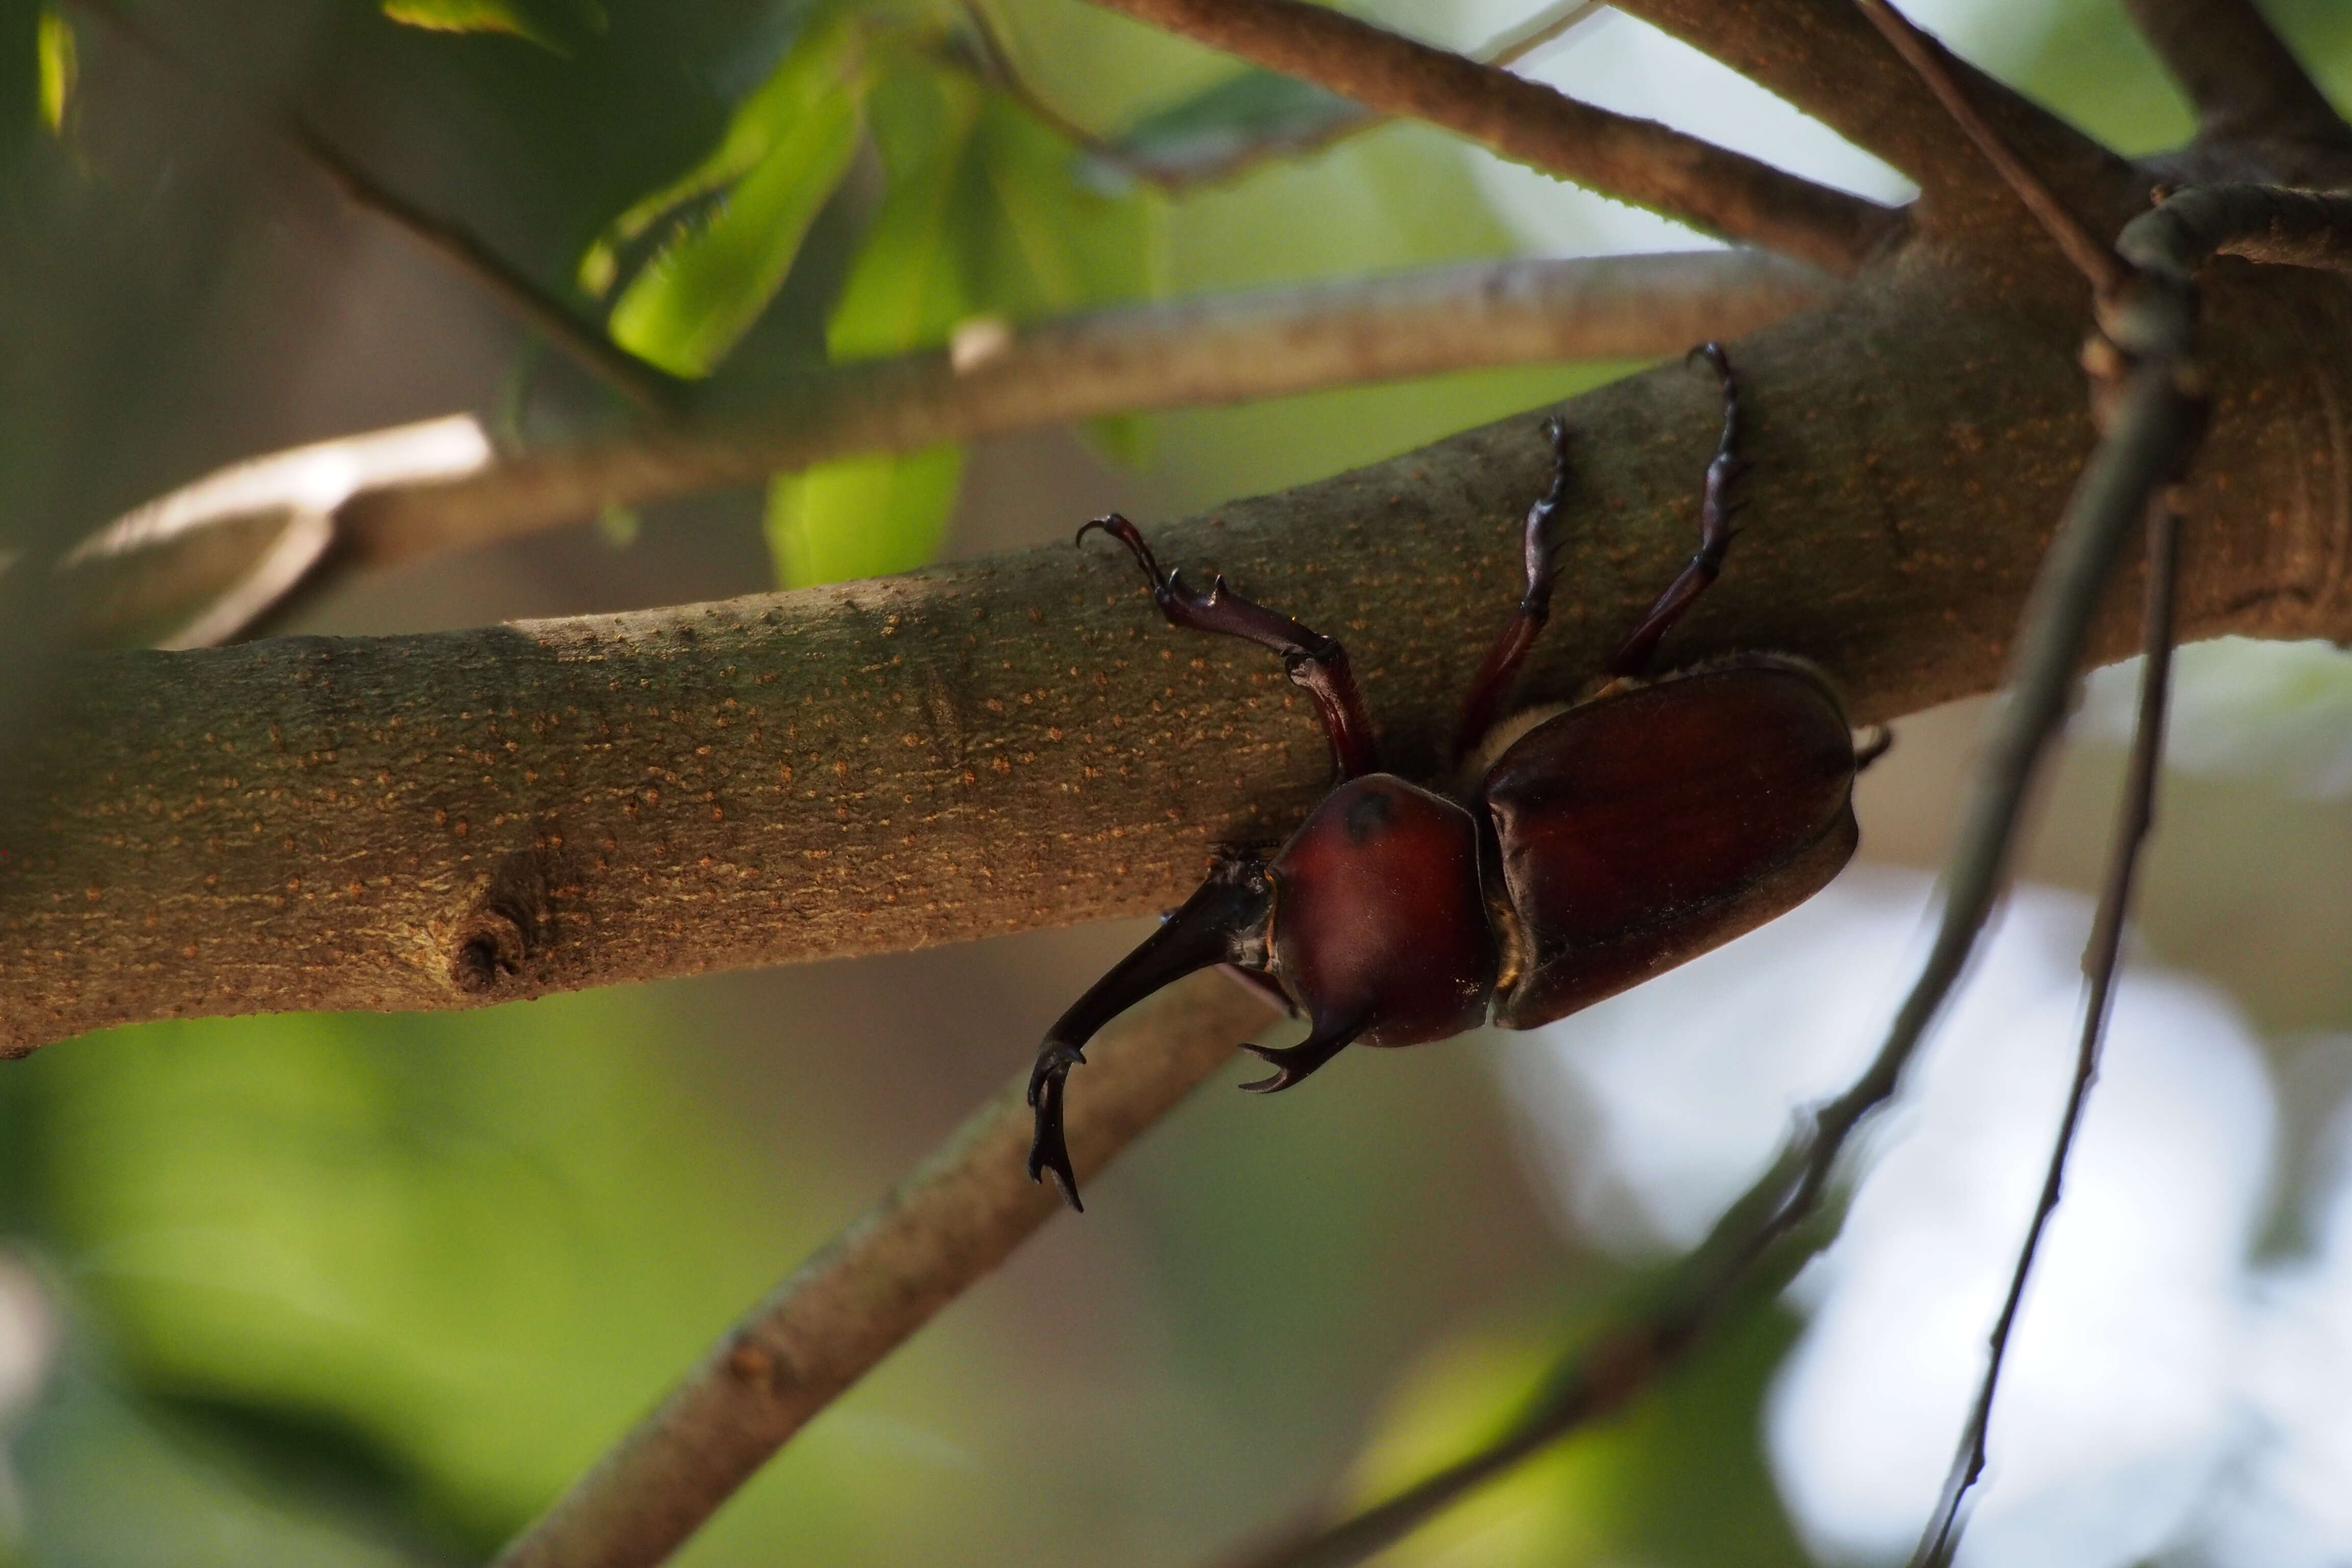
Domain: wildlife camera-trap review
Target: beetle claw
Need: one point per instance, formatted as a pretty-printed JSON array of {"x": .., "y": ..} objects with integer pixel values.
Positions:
[
  {"x": 1048, "y": 1150},
  {"x": 1294, "y": 1063}
]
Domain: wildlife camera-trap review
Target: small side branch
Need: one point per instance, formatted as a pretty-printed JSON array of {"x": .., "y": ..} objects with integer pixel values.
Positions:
[
  {"x": 953, "y": 1219},
  {"x": 651, "y": 389},
  {"x": 1179, "y": 354},
  {"x": 654, "y": 390},
  {"x": 1695, "y": 182},
  {"x": 2244, "y": 83}
]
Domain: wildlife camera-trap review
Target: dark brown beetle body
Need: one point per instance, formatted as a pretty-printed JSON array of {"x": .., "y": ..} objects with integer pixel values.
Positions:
[{"x": 1604, "y": 842}]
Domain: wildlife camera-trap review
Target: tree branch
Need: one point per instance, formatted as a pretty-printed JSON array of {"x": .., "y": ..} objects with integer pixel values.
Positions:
[
  {"x": 439, "y": 821},
  {"x": 1822, "y": 57},
  {"x": 958, "y": 1215},
  {"x": 1183, "y": 354},
  {"x": 1711, "y": 188},
  {"x": 2246, "y": 86},
  {"x": 192, "y": 582}
]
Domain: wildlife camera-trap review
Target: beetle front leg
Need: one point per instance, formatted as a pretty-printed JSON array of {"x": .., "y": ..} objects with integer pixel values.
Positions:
[
  {"x": 1313, "y": 661},
  {"x": 1223, "y": 922}
]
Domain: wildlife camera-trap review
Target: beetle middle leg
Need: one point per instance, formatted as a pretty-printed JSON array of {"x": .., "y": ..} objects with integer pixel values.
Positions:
[
  {"x": 1715, "y": 531},
  {"x": 1313, "y": 661}
]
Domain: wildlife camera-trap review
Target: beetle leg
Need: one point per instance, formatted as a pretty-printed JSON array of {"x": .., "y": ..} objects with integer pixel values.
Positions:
[
  {"x": 1223, "y": 922},
  {"x": 1493, "y": 681},
  {"x": 1294, "y": 1063},
  {"x": 1313, "y": 661},
  {"x": 1715, "y": 531}
]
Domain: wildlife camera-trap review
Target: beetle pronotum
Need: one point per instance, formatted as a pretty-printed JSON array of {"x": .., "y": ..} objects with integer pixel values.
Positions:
[{"x": 1576, "y": 851}]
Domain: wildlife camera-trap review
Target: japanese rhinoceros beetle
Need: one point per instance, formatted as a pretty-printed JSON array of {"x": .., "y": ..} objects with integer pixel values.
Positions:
[{"x": 1578, "y": 850}]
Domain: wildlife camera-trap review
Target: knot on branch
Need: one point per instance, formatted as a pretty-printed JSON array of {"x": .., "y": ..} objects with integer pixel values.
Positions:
[{"x": 512, "y": 921}]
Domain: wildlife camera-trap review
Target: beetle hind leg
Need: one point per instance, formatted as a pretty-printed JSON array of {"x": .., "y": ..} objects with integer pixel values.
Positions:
[
  {"x": 1316, "y": 663},
  {"x": 1294, "y": 1064}
]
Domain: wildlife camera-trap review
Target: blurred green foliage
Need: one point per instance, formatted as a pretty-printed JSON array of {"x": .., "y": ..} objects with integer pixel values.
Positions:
[
  {"x": 1677, "y": 1480},
  {"x": 556, "y": 24}
]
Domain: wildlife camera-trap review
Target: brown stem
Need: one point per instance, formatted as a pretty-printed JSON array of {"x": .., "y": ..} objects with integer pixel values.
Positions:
[
  {"x": 958, "y": 1215},
  {"x": 1711, "y": 188},
  {"x": 1218, "y": 350},
  {"x": 1182, "y": 354},
  {"x": 439, "y": 821},
  {"x": 2243, "y": 82},
  {"x": 652, "y": 390}
]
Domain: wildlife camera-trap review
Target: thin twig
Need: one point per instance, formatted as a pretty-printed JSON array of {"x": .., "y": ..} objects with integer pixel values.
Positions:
[
  {"x": 650, "y": 388},
  {"x": 1940, "y": 1539},
  {"x": 1176, "y": 173},
  {"x": 2090, "y": 255},
  {"x": 1695, "y": 182},
  {"x": 654, "y": 390},
  {"x": 957, "y": 1216},
  {"x": 2244, "y": 82}
]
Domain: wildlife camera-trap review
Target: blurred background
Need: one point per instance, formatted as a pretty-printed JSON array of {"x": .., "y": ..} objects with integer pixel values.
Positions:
[{"x": 372, "y": 1290}]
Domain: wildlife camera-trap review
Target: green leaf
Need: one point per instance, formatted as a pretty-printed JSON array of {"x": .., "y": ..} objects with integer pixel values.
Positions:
[
  {"x": 56, "y": 63},
  {"x": 1058, "y": 245},
  {"x": 866, "y": 517},
  {"x": 1214, "y": 132},
  {"x": 913, "y": 278},
  {"x": 556, "y": 25},
  {"x": 783, "y": 153}
]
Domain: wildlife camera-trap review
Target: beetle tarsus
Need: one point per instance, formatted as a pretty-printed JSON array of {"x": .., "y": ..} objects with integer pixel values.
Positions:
[
  {"x": 1876, "y": 742},
  {"x": 1492, "y": 682},
  {"x": 1313, "y": 662},
  {"x": 1716, "y": 533},
  {"x": 1294, "y": 1064}
]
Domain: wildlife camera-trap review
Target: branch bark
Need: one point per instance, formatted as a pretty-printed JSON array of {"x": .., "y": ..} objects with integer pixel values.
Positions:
[
  {"x": 1710, "y": 187},
  {"x": 1825, "y": 58},
  {"x": 953, "y": 1219},
  {"x": 439, "y": 821},
  {"x": 1180, "y": 354}
]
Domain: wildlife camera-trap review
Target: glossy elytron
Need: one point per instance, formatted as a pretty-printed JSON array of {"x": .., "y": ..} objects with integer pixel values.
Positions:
[{"x": 1577, "y": 850}]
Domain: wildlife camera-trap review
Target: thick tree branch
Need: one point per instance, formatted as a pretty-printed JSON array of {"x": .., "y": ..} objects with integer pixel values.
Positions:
[
  {"x": 438, "y": 821},
  {"x": 2246, "y": 86},
  {"x": 1711, "y": 188},
  {"x": 957, "y": 1216},
  {"x": 1825, "y": 58}
]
